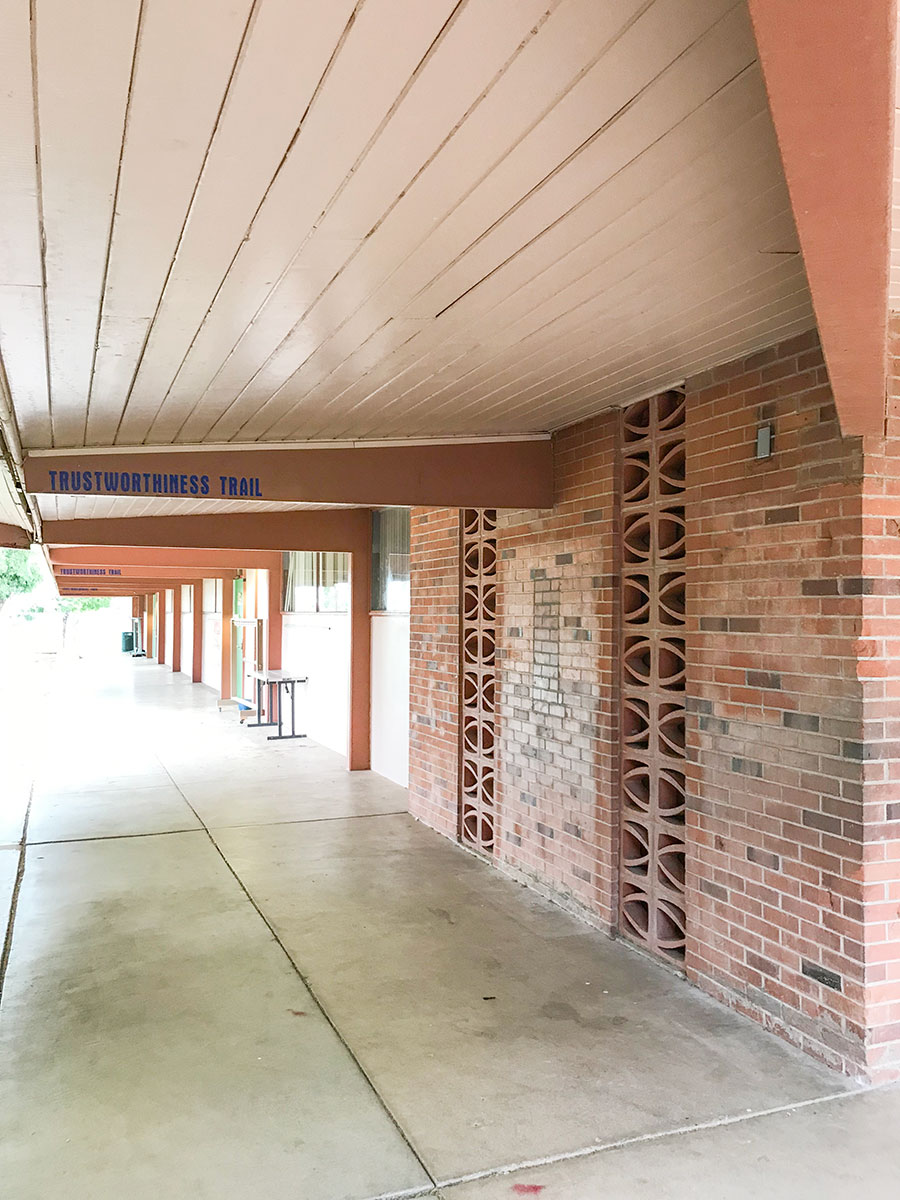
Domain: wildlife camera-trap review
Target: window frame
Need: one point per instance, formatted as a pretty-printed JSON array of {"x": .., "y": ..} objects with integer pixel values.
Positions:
[
  {"x": 317, "y": 586},
  {"x": 387, "y": 546}
]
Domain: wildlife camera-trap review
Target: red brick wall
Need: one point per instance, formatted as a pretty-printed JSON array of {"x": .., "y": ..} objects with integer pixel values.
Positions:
[
  {"x": 434, "y": 668},
  {"x": 775, "y": 831},
  {"x": 793, "y": 880},
  {"x": 879, "y": 671},
  {"x": 557, "y": 724}
]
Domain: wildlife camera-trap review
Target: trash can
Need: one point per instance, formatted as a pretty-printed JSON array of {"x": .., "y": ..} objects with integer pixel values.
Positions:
[{"x": 127, "y": 643}]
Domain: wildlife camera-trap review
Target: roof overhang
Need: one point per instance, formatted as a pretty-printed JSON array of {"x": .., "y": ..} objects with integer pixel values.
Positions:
[
  {"x": 14, "y": 537},
  {"x": 830, "y": 71}
]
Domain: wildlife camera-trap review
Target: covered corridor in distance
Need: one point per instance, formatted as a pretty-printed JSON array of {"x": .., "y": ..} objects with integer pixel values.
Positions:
[{"x": 239, "y": 969}]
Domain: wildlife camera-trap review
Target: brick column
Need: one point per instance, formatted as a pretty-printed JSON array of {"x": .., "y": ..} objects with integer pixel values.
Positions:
[
  {"x": 558, "y": 751},
  {"x": 774, "y": 774},
  {"x": 878, "y": 586},
  {"x": 434, "y": 668}
]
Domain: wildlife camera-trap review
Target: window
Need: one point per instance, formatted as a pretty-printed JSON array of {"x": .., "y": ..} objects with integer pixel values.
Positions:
[
  {"x": 299, "y": 581},
  {"x": 187, "y": 598},
  {"x": 212, "y": 595},
  {"x": 334, "y": 583},
  {"x": 316, "y": 582},
  {"x": 170, "y": 600},
  {"x": 390, "y": 560}
]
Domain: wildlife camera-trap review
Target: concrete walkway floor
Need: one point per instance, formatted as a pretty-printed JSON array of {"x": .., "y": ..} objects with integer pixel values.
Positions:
[{"x": 237, "y": 971}]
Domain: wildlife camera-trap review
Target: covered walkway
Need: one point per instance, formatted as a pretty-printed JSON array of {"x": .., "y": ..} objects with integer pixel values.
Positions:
[{"x": 238, "y": 970}]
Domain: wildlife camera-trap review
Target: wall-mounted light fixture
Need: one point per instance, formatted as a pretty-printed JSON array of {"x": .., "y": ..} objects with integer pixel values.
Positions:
[{"x": 765, "y": 441}]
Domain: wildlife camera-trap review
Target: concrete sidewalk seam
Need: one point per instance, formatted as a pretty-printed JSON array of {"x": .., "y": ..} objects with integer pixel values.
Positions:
[
  {"x": 14, "y": 898},
  {"x": 116, "y": 837},
  {"x": 426, "y": 1189},
  {"x": 661, "y": 1135},
  {"x": 432, "y": 1182},
  {"x": 313, "y": 821}
]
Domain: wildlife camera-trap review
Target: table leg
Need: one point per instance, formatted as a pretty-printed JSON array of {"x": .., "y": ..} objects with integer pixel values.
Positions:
[
  {"x": 271, "y": 694},
  {"x": 281, "y": 735}
]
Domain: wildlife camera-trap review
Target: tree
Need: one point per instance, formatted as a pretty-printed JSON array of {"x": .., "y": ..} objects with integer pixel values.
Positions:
[
  {"x": 19, "y": 572},
  {"x": 77, "y": 604},
  {"x": 66, "y": 606}
]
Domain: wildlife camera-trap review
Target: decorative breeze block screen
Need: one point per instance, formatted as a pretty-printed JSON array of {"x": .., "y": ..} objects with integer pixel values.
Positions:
[
  {"x": 478, "y": 607},
  {"x": 652, "y": 552}
]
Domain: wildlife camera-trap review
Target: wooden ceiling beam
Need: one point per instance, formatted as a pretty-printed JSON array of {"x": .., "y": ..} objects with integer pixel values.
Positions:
[{"x": 516, "y": 473}]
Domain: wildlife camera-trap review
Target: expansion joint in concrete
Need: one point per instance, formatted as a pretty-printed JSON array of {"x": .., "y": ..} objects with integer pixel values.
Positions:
[
  {"x": 316, "y": 1000},
  {"x": 14, "y": 898},
  {"x": 660, "y": 1135}
]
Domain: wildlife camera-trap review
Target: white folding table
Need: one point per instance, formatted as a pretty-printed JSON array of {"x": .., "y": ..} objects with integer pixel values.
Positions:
[{"x": 274, "y": 681}]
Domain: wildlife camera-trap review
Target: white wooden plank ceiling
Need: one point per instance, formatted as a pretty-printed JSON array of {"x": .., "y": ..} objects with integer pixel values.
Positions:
[{"x": 265, "y": 220}]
